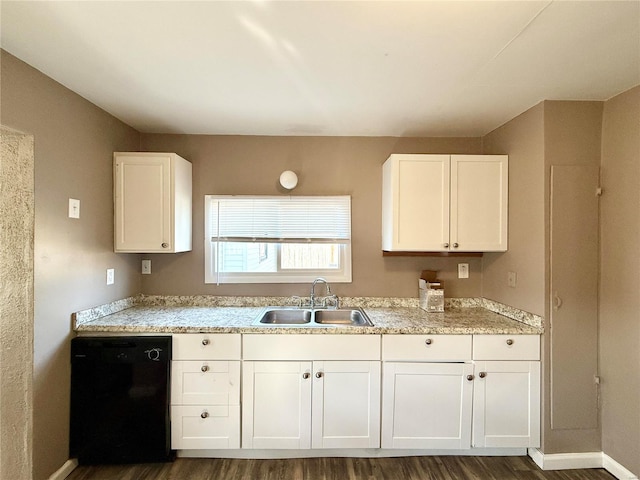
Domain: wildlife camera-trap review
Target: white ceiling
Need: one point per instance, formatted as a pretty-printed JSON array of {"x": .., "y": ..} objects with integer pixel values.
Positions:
[{"x": 415, "y": 68}]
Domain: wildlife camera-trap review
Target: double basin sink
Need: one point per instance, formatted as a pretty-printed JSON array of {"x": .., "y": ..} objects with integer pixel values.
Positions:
[{"x": 302, "y": 317}]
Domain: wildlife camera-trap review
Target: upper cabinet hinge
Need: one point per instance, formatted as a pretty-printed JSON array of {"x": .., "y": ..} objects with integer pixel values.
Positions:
[{"x": 598, "y": 191}]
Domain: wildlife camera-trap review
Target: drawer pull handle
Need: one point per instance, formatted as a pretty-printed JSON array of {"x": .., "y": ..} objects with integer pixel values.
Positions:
[
  {"x": 306, "y": 375},
  {"x": 319, "y": 375},
  {"x": 509, "y": 342},
  {"x": 455, "y": 245},
  {"x": 446, "y": 245},
  {"x": 204, "y": 368},
  {"x": 428, "y": 341},
  {"x": 470, "y": 377},
  {"x": 482, "y": 374},
  {"x": 165, "y": 245},
  {"x": 204, "y": 414},
  {"x": 205, "y": 342}
]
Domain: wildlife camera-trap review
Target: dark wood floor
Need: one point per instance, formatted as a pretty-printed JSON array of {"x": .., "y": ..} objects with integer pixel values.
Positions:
[{"x": 406, "y": 468}]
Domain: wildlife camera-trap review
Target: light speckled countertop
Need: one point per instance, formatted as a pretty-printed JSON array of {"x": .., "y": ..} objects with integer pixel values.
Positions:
[{"x": 150, "y": 315}]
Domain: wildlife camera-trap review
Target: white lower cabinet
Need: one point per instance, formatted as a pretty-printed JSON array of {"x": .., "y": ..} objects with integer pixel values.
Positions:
[
  {"x": 205, "y": 391},
  {"x": 427, "y": 405},
  {"x": 506, "y": 395},
  {"x": 301, "y": 403},
  {"x": 506, "y": 404},
  {"x": 486, "y": 396}
]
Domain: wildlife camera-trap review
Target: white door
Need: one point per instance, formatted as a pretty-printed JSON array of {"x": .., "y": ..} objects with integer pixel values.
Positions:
[
  {"x": 416, "y": 203},
  {"x": 346, "y": 404},
  {"x": 506, "y": 404},
  {"x": 142, "y": 203},
  {"x": 276, "y": 405},
  {"x": 427, "y": 405},
  {"x": 479, "y": 201}
]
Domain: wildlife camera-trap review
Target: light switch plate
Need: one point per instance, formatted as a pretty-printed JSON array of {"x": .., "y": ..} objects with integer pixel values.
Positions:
[
  {"x": 512, "y": 279},
  {"x": 111, "y": 276},
  {"x": 74, "y": 208}
]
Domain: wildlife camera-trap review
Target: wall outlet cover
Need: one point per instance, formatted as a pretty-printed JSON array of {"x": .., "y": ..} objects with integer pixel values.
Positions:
[
  {"x": 512, "y": 279},
  {"x": 463, "y": 270},
  {"x": 111, "y": 276},
  {"x": 146, "y": 267},
  {"x": 74, "y": 208}
]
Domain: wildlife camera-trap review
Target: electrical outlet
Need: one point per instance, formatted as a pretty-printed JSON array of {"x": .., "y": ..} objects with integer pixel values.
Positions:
[
  {"x": 463, "y": 270},
  {"x": 74, "y": 208},
  {"x": 512, "y": 279},
  {"x": 146, "y": 267},
  {"x": 111, "y": 276}
]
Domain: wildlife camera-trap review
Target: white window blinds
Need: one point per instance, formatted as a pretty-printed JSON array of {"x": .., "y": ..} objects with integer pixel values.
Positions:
[{"x": 294, "y": 219}]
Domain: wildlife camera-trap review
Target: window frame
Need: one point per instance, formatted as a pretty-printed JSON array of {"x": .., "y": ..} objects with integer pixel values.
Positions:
[{"x": 212, "y": 276}]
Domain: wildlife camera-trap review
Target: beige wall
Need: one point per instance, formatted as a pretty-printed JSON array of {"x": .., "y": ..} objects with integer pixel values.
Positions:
[
  {"x": 523, "y": 140},
  {"x": 551, "y": 133},
  {"x": 620, "y": 280},
  {"x": 74, "y": 141},
  {"x": 325, "y": 166},
  {"x": 16, "y": 304},
  {"x": 572, "y": 133}
]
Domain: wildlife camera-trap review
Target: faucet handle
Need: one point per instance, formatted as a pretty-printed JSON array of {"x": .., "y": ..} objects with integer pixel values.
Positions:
[{"x": 331, "y": 300}]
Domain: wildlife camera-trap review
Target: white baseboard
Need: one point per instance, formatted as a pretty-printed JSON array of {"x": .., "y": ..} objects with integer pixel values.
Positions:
[
  {"x": 64, "y": 471},
  {"x": 566, "y": 461},
  {"x": 615, "y": 469}
]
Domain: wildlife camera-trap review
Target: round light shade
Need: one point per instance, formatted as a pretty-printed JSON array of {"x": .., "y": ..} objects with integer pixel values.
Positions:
[{"x": 288, "y": 180}]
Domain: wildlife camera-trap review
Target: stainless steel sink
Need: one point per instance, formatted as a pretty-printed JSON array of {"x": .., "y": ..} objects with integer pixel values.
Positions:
[
  {"x": 342, "y": 317},
  {"x": 286, "y": 316},
  {"x": 274, "y": 316}
]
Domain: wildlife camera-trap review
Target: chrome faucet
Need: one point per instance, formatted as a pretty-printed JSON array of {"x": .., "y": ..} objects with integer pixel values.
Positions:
[{"x": 329, "y": 295}]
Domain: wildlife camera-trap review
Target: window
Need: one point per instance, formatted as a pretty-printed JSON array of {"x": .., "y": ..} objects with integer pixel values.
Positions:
[{"x": 263, "y": 239}]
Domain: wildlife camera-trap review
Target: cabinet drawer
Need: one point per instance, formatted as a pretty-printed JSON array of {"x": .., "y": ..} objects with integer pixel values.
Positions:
[
  {"x": 205, "y": 382},
  {"x": 311, "y": 347},
  {"x": 206, "y": 346},
  {"x": 205, "y": 427},
  {"x": 506, "y": 347},
  {"x": 444, "y": 348}
]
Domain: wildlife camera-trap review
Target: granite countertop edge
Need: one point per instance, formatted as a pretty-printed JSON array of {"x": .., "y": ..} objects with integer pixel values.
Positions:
[{"x": 161, "y": 315}]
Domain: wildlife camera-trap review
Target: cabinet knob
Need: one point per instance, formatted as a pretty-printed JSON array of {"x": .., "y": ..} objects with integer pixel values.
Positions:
[
  {"x": 306, "y": 375},
  {"x": 446, "y": 245},
  {"x": 482, "y": 374},
  {"x": 205, "y": 342},
  {"x": 470, "y": 377},
  {"x": 204, "y": 414},
  {"x": 165, "y": 245},
  {"x": 428, "y": 341},
  {"x": 318, "y": 374},
  {"x": 204, "y": 368},
  {"x": 509, "y": 341},
  {"x": 455, "y": 245}
]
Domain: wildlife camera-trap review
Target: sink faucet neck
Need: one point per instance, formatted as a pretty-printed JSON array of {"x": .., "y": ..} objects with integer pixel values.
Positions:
[{"x": 312, "y": 296}]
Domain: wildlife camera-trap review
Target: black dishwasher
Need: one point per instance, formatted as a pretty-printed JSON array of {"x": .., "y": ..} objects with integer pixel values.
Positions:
[{"x": 120, "y": 399}]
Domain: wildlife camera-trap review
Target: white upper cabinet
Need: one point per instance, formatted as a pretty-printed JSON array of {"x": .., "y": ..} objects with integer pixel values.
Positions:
[
  {"x": 152, "y": 203},
  {"x": 444, "y": 203}
]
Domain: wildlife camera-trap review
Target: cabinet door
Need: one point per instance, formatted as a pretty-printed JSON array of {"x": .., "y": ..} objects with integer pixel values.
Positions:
[
  {"x": 276, "y": 405},
  {"x": 427, "y": 405},
  {"x": 506, "y": 404},
  {"x": 346, "y": 405},
  {"x": 205, "y": 382},
  {"x": 479, "y": 200},
  {"x": 142, "y": 203},
  {"x": 415, "y": 205}
]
